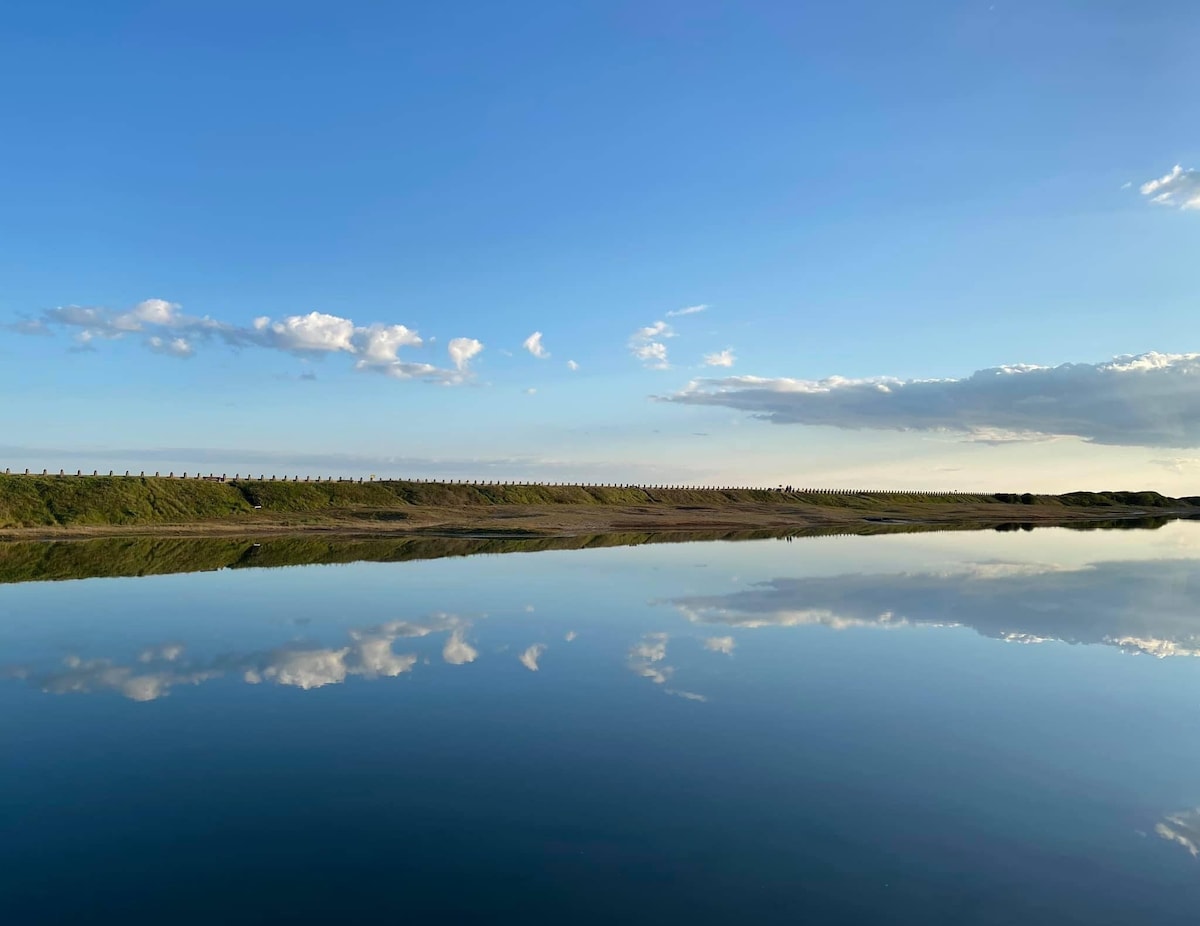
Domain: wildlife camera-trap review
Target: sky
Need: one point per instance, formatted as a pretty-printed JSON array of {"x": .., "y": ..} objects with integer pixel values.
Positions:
[{"x": 859, "y": 244}]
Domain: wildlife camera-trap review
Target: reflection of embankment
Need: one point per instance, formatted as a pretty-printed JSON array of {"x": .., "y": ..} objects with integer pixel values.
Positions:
[
  {"x": 111, "y": 557},
  {"x": 1147, "y": 607}
]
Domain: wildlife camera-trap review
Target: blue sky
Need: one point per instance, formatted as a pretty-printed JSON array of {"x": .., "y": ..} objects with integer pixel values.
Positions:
[{"x": 916, "y": 191}]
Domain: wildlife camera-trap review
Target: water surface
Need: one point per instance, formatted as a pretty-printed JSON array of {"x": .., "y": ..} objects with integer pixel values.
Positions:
[{"x": 968, "y": 728}]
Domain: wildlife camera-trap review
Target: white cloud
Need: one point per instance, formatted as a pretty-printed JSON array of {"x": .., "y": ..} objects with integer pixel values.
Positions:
[
  {"x": 720, "y": 645},
  {"x": 168, "y": 331},
  {"x": 462, "y": 351},
  {"x": 646, "y": 346},
  {"x": 380, "y": 343},
  {"x": 529, "y": 658},
  {"x": 572, "y": 366},
  {"x": 175, "y": 347},
  {"x": 531, "y": 391},
  {"x": 1179, "y": 188},
  {"x": 534, "y": 345},
  {"x": 154, "y": 312},
  {"x": 690, "y": 310},
  {"x": 1150, "y": 399},
  {"x": 724, "y": 358},
  {"x": 457, "y": 650},
  {"x": 314, "y": 332},
  {"x": 571, "y": 635}
]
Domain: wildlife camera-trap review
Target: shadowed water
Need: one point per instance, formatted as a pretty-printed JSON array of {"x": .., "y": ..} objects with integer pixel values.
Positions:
[{"x": 982, "y": 727}]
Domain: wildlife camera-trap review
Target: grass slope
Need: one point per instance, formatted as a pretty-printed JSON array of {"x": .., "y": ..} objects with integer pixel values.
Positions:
[{"x": 47, "y": 501}]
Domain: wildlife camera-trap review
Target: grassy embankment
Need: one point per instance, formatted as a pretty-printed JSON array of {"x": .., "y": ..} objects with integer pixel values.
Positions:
[{"x": 81, "y": 505}]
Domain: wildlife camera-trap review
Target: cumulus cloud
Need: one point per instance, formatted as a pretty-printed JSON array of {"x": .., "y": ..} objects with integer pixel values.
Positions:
[
  {"x": 646, "y": 345},
  {"x": 462, "y": 351},
  {"x": 1149, "y": 399},
  {"x": 534, "y": 345},
  {"x": 572, "y": 366},
  {"x": 720, "y": 645},
  {"x": 1178, "y": 187},
  {"x": 570, "y": 635},
  {"x": 690, "y": 310},
  {"x": 457, "y": 650},
  {"x": 529, "y": 658},
  {"x": 722, "y": 358},
  {"x": 175, "y": 347},
  {"x": 167, "y": 330}
]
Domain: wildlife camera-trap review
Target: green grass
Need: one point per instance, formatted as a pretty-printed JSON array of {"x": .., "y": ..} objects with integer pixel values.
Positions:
[{"x": 47, "y": 501}]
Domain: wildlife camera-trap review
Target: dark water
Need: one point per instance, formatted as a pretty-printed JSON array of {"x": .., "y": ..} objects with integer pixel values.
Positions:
[{"x": 952, "y": 728}]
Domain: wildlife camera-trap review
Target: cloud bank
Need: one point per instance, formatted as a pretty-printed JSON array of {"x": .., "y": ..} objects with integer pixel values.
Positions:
[
  {"x": 1148, "y": 400},
  {"x": 165, "y": 329}
]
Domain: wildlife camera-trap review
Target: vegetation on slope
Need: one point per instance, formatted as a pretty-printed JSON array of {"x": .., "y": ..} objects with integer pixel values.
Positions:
[{"x": 47, "y": 501}]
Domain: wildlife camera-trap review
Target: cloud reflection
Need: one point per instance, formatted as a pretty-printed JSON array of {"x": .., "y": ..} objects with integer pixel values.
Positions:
[
  {"x": 529, "y": 658},
  {"x": 1138, "y": 606},
  {"x": 1182, "y": 828},
  {"x": 156, "y": 670}
]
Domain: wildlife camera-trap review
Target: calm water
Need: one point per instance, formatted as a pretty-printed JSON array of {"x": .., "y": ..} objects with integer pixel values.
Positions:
[{"x": 949, "y": 728}]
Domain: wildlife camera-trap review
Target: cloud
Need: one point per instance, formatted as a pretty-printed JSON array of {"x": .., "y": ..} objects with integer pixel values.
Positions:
[
  {"x": 167, "y": 330},
  {"x": 457, "y": 650},
  {"x": 1179, "y": 188},
  {"x": 529, "y": 658},
  {"x": 570, "y": 635},
  {"x": 720, "y": 645},
  {"x": 462, "y": 351},
  {"x": 646, "y": 346},
  {"x": 572, "y": 366},
  {"x": 1149, "y": 399},
  {"x": 1178, "y": 464},
  {"x": 533, "y": 344},
  {"x": 175, "y": 347},
  {"x": 690, "y": 310},
  {"x": 724, "y": 358},
  {"x": 380, "y": 343}
]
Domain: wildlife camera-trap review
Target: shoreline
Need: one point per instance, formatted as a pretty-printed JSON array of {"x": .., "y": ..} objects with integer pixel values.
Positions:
[{"x": 563, "y": 521}]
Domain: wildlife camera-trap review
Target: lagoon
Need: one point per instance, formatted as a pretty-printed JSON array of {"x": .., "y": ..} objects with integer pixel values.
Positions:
[{"x": 980, "y": 727}]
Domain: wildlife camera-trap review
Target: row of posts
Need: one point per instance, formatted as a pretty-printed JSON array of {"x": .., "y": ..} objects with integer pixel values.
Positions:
[{"x": 789, "y": 490}]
